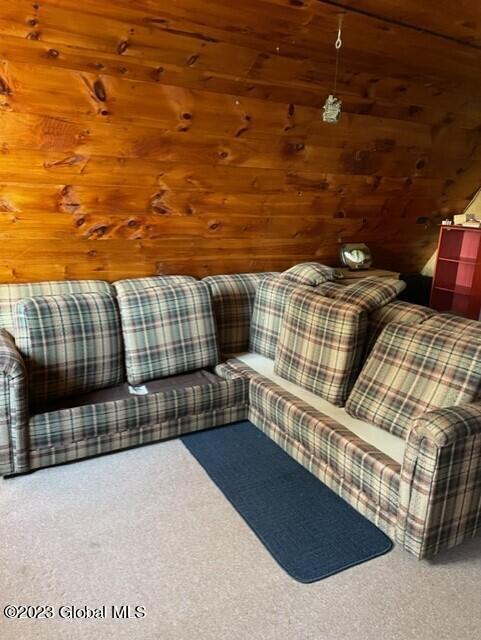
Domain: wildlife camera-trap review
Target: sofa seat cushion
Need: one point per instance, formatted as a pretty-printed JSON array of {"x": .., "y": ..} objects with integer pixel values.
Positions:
[
  {"x": 269, "y": 306},
  {"x": 414, "y": 369},
  {"x": 133, "y": 284},
  {"x": 125, "y": 390},
  {"x": 71, "y": 344},
  {"x": 356, "y": 463},
  {"x": 204, "y": 393},
  {"x": 167, "y": 330},
  {"x": 250, "y": 364},
  {"x": 320, "y": 344},
  {"x": 233, "y": 301},
  {"x": 10, "y": 294},
  {"x": 311, "y": 274}
]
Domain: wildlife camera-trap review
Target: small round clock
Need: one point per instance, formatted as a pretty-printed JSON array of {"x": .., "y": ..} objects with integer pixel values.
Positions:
[{"x": 355, "y": 256}]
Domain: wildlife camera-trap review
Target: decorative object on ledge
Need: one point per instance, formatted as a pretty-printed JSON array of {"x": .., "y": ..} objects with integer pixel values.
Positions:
[
  {"x": 332, "y": 106},
  {"x": 472, "y": 221},
  {"x": 355, "y": 256}
]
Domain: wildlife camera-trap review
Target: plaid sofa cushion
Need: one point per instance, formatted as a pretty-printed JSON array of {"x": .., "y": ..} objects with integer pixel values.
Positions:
[
  {"x": 233, "y": 300},
  {"x": 457, "y": 324},
  {"x": 320, "y": 345},
  {"x": 413, "y": 369},
  {"x": 371, "y": 293},
  {"x": 136, "y": 414},
  {"x": 132, "y": 284},
  {"x": 71, "y": 344},
  {"x": 357, "y": 464},
  {"x": 269, "y": 304},
  {"x": 309, "y": 273},
  {"x": 167, "y": 330},
  {"x": 10, "y": 294},
  {"x": 395, "y": 311}
]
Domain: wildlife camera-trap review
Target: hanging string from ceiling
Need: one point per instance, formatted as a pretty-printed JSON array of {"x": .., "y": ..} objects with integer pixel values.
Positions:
[{"x": 332, "y": 106}]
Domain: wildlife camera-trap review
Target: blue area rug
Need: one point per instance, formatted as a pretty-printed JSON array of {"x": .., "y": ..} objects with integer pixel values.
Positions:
[{"x": 308, "y": 529}]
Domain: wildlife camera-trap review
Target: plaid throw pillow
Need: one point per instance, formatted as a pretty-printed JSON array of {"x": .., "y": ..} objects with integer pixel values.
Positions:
[
  {"x": 309, "y": 273},
  {"x": 233, "y": 300},
  {"x": 321, "y": 344},
  {"x": 413, "y": 369},
  {"x": 269, "y": 304},
  {"x": 167, "y": 330},
  {"x": 371, "y": 293},
  {"x": 71, "y": 344}
]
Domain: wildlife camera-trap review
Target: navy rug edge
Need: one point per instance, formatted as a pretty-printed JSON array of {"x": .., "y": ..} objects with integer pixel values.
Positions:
[{"x": 382, "y": 550}]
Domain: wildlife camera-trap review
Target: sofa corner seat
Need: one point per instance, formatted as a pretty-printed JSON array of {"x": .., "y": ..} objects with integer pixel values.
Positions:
[{"x": 361, "y": 463}]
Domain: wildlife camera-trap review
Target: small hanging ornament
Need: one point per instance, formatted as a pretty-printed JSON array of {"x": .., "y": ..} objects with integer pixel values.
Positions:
[{"x": 332, "y": 106}]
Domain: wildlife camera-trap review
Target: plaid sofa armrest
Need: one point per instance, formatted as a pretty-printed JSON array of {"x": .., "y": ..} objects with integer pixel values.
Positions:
[
  {"x": 13, "y": 408},
  {"x": 440, "y": 490}
]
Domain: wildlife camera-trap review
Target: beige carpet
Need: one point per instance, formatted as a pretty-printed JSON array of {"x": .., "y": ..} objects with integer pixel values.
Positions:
[{"x": 147, "y": 527}]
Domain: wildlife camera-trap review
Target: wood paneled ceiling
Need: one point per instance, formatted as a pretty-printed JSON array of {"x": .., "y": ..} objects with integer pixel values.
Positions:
[{"x": 185, "y": 136}]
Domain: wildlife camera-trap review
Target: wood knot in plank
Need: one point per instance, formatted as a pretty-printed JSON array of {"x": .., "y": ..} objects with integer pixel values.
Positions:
[
  {"x": 5, "y": 90},
  {"x": 6, "y": 206},
  {"x": 99, "y": 90},
  {"x": 156, "y": 73},
  {"x": 122, "y": 47},
  {"x": 192, "y": 59},
  {"x": 97, "y": 230},
  {"x": 64, "y": 162}
]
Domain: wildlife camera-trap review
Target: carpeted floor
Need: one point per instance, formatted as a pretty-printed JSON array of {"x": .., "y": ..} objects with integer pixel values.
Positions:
[{"x": 147, "y": 527}]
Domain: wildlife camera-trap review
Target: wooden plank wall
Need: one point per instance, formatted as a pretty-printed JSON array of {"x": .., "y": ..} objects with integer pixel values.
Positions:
[{"x": 185, "y": 136}]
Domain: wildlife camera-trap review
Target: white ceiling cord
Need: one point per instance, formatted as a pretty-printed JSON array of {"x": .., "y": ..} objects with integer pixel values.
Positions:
[{"x": 332, "y": 106}]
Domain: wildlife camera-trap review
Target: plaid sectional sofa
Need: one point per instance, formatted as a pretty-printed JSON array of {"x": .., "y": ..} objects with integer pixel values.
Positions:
[{"x": 380, "y": 399}]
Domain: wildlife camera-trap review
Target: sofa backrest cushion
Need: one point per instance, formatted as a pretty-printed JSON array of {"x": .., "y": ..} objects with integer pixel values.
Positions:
[
  {"x": 71, "y": 344},
  {"x": 320, "y": 345},
  {"x": 132, "y": 284},
  {"x": 10, "y": 294},
  {"x": 395, "y": 311},
  {"x": 413, "y": 369},
  {"x": 311, "y": 274},
  {"x": 371, "y": 293},
  {"x": 269, "y": 305},
  {"x": 233, "y": 300},
  {"x": 457, "y": 324},
  {"x": 167, "y": 330}
]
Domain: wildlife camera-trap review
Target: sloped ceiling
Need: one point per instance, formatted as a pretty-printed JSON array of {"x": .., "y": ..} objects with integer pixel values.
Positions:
[{"x": 185, "y": 136}]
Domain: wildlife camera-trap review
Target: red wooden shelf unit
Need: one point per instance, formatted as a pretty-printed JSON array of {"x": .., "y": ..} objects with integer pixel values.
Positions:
[{"x": 457, "y": 280}]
